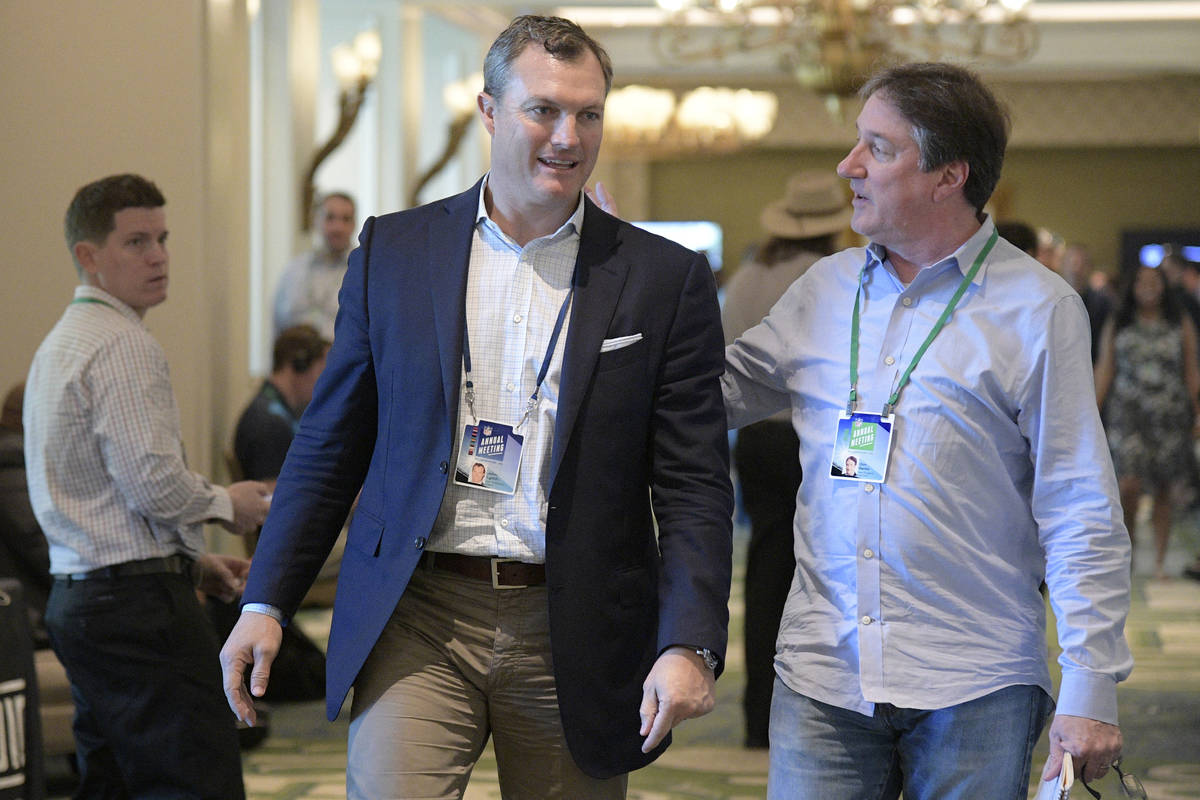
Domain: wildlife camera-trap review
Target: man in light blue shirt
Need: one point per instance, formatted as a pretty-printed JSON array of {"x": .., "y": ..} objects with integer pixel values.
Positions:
[{"x": 912, "y": 655}]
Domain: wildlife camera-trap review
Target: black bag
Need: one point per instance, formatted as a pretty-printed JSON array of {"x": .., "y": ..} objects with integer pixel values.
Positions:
[{"x": 22, "y": 775}]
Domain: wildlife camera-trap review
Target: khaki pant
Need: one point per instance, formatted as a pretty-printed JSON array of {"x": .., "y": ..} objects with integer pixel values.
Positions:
[{"x": 457, "y": 662}]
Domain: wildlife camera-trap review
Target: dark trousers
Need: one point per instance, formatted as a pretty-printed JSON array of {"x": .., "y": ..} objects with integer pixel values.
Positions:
[
  {"x": 150, "y": 714},
  {"x": 769, "y": 475}
]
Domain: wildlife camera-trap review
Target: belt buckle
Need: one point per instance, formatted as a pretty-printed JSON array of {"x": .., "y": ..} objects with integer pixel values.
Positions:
[{"x": 496, "y": 562}]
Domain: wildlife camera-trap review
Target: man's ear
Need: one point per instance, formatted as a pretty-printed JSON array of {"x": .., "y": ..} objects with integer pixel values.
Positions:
[
  {"x": 85, "y": 256},
  {"x": 487, "y": 111},
  {"x": 953, "y": 178}
]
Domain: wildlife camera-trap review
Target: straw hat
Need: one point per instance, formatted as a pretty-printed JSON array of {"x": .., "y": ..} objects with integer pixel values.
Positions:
[{"x": 815, "y": 205}]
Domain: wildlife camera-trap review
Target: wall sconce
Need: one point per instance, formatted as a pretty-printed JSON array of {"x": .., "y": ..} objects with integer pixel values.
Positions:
[
  {"x": 355, "y": 66},
  {"x": 705, "y": 118},
  {"x": 460, "y": 98}
]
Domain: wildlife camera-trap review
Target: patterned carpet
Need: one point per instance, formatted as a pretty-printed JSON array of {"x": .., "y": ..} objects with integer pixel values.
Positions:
[{"x": 305, "y": 757}]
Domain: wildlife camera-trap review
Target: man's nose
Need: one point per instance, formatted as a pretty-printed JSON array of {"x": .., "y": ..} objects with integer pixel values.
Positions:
[
  {"x": 566, "y": 134},
  {"x": 851, "y": 165}
]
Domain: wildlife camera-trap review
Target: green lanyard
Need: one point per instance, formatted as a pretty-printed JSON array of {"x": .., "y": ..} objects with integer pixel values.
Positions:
[
  {"x": 93, "y": 300},
  {"x": 941, "y": 323}
]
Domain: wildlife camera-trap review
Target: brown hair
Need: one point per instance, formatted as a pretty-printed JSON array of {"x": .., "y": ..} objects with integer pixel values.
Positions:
[
  {"x": 954, "y": 117},
  {"x": 561, "y": 38}
]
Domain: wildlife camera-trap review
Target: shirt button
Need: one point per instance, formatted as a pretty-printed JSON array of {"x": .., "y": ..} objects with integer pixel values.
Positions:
[
  {"x": 868, "y": 553},
  {"x": 868, "y": 487},
  {"x": 504, "y": 522},
  {"x": 517, "y": 318},
  {"x": 865, "y": 620},
  {"x": 419, "y": 543},
  {"x": 907, "y": 302},
  {"x": 889, "y": 361},
  {"x": 510, "y": 387}
]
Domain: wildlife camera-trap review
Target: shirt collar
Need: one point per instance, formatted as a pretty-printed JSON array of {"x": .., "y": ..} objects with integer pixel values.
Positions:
[
  {"x": 95, "y": 293},
  {"x": 969, "y": 250},
  {"x": 962, "y": 258},
  {"x": 574, "y": 223}
]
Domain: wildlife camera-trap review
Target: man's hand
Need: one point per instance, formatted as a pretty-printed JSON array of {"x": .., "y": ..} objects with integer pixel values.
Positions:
[
  {"x": 250, "y": 506},
  {"x": 254, "y": 641},
  {"x": 1093, "y": 746},
  {"x": 678, "y": 687},
  {"x": 223, "y": 577},
  {"x": 602, "y": 198}
]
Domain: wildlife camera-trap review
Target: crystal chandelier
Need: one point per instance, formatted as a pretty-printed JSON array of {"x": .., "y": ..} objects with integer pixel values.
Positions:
[{"x": 831, "y": 45}]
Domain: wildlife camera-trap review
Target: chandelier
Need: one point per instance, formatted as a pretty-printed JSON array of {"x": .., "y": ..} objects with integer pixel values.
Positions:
[
  {"x": 831, "y": 46},
  {"x": 712, "y": 119}
]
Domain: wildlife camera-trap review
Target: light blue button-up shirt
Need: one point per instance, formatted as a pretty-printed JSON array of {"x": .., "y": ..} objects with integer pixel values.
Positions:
[{"x": 922, "y": 592}]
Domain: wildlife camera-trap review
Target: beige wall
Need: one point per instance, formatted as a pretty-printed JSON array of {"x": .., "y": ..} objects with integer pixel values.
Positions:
[
  {"x": 1085, "y": 194},
  {"x": 94, "y": 87}
]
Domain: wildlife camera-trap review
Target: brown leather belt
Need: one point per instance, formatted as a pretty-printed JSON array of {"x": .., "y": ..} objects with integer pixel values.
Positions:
[{"x": 502, "y": 573}]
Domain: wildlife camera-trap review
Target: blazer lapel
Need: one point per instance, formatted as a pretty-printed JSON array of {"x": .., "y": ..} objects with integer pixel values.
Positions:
[
  {"x": 600, "y": 274},
  {"x": 448, "y": 257}
]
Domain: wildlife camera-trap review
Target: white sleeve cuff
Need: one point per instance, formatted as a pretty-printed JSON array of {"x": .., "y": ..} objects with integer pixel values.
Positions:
[
  {"x": 264, "y": 608},
  {"x": 1088, "y": 694}
]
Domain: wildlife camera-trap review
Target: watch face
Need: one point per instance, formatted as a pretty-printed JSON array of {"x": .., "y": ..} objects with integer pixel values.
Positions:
[{"x": 710, "y": 659}]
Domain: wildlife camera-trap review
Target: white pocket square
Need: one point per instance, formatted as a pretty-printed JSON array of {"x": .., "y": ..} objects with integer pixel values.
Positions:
[{"x": 618, "y": 342}]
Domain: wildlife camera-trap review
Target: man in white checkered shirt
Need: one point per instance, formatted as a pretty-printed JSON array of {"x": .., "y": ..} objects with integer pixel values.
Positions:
[
  {"x": 576, "y": 358},
  {"x": 123, "y": 516}
]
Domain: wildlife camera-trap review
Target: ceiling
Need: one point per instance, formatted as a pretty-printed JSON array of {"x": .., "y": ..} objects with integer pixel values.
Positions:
[{"x": 1079, "y": 39}]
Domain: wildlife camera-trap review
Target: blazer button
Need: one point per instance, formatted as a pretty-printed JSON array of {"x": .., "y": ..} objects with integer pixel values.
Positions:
[
  {"x": 443, "y": 467},
  {"x": 419, "y": 543}
]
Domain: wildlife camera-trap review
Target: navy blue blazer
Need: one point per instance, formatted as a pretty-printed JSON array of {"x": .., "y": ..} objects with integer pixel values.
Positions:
[{"x": 639, "y": 439}]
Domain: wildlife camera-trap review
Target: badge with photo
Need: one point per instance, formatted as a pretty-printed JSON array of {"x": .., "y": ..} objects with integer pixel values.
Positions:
[{"x": 861, "y": 447}]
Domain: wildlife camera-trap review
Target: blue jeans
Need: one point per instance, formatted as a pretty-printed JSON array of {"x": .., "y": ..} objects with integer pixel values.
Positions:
[{"x": 981, "y": 748}]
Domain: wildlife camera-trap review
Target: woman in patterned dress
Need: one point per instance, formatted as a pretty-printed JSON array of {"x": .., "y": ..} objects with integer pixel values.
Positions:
[{"x": 1148, "y": 384}]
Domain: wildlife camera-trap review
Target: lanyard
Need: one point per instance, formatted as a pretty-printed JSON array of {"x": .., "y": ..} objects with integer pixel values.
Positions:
[
  {"x": 531, "y": 403},
  {"x": 93, "y": 300},
  {"x": 937, "y": 327}
]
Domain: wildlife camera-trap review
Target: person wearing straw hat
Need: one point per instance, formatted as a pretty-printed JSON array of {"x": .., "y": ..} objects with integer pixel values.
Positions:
[{"x": 803, "y": 226}]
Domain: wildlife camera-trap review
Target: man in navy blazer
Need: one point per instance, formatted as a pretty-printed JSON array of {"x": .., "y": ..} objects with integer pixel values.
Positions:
[{"x": 574, "y": 605}]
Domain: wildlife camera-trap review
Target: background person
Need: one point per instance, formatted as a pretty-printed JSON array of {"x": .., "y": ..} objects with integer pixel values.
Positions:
[
  {"x": 24, "y": 553},
  {"x": 894, "y": 673},
  {"x": 263, "y": 435},
  {"x": 267, "y": 425},
  {"x": 552, "y": 618},
  {"x": 1077, "y": 268},
  {"x": 1020, "y": 235},
  {"x": 1148, "y": 385},
  {"x": 308, "y": 289},
  {"x": 123, "y": 516},
  {"x": 802, "y": 226}
]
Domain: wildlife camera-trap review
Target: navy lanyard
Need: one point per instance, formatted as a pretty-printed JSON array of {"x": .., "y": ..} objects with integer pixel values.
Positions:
[
  {"x": 533, "y": 398},
  {"x": 941, "y": 323}
]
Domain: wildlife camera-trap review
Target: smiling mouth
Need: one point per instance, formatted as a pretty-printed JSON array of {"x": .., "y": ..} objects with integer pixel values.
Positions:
[{"x": 558, "y": 164}]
